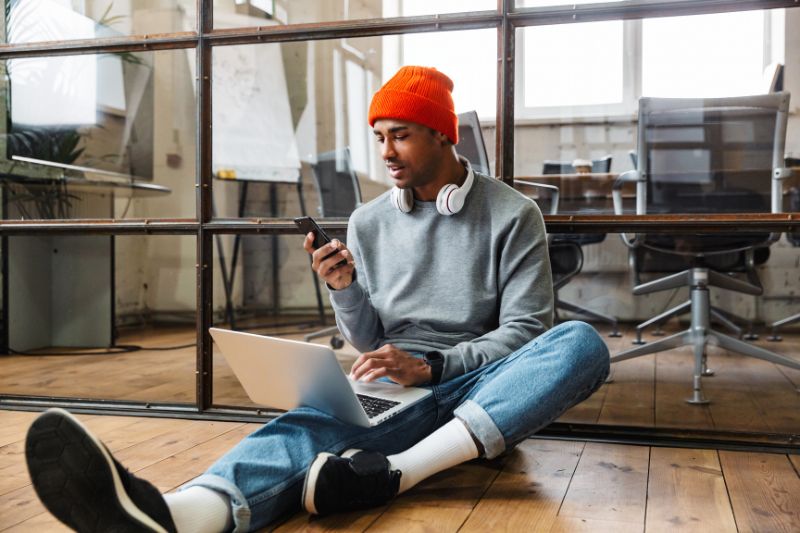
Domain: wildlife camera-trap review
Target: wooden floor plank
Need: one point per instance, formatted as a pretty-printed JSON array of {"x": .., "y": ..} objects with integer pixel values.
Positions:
[
  {"x": 528, "y": 492},
  {"x": 177, "y": 440},
  {"x": 15, "y": 423},
  {"x": 609, "y": 484},
  {"x": 18, "y": 506},
  {"x": 442, "y": 502},
  {"x": 686, "y": 492},
  {"x": 673, "y": 383},
  {"x": 352, "y": 522},
  {"x": 764, "y": 490},
  {"x": 183, "y": 466},
  {"x": 730, "y": 391},
  {"x": 42, "y": 522},
  {"x": 586, "y": 525},
  {"x": 630, "y": 400},
  {"x": 795, "y": 459}
]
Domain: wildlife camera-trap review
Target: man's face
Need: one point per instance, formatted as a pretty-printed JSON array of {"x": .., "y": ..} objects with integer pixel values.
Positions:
[{"x": 412, "y": 152}]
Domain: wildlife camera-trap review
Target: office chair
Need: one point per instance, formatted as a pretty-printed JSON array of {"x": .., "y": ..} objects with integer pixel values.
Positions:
[
  {"x": 470, "y": 142},
  {"x": 712, "y": 155},
  {"x": 644, "y": 260},
  {"x": 339, "y": 194},
  {"x": 566, "y": 249}
]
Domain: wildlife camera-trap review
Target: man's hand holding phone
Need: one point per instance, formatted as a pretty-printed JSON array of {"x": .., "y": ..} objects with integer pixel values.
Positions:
[{"x": 332, "y": 261}]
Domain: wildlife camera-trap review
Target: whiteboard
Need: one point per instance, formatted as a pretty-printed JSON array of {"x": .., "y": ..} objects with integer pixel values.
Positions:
[{"x": 252, "y": 120}]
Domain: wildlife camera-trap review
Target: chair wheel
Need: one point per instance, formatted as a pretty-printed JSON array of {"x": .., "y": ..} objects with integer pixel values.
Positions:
[{"x": 337, "y": 342}]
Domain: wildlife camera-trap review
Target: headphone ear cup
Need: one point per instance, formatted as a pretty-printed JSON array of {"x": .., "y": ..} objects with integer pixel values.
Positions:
[
  {"x": 450, "y": 200},
  {"x": 403, "y": 199}
]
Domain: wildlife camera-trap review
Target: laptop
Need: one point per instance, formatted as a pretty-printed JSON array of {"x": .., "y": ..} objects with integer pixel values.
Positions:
[{"x": 284, "y": 374}]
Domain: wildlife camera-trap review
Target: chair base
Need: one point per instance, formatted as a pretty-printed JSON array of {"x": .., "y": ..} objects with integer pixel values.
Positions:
[
  {"x": 336, "y": 340},
  {"x": 783, "y": 322},
  {"x": 577, "y": 309},
  {"x": 699, "y": 334},
  {"x": 725, "y": 318}
]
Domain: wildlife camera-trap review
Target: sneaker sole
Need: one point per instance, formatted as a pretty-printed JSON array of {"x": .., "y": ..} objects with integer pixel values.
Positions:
[
  {"x": 66, "y": 464},
  {"x": 310, "y": 484},
  {"x": 350, "y": 453}
]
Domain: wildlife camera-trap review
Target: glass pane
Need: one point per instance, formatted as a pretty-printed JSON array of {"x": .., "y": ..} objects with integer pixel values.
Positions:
[
  {"x": 101, "y": 317},
  {"x": 717, "y": 55},
  {"x": 745, "y": 393},
  {"x": 582, "y": 147},
  {"x": 573, "y": 65},
  {"x": 297, "y": 112},
  {"x": 99, "y": 136},
  {"x": 272, "y": 291},
  {"x": 246, "y": 13},
  {"x": 29, "y": 21}
]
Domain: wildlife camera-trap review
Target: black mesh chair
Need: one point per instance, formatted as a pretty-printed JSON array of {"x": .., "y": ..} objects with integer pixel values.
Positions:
[
  {"x": 339, "y": 194},
  {"x": 566, "y": 250},
  {"x": 714, "y": 155}
]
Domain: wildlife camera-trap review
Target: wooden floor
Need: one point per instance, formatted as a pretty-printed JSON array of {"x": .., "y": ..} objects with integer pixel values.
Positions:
[
  {"x": 746, "y": 394},
  {"x": 550, "y": 486}
]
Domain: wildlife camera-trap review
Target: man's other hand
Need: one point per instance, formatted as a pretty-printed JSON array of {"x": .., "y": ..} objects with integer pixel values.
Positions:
[
  {"x": 325, "y": 262},
  {"x": 391, "y": 362}
]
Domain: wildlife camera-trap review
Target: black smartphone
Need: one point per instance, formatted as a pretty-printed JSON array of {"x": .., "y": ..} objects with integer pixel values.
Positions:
[{"x": 306, "y": 224}]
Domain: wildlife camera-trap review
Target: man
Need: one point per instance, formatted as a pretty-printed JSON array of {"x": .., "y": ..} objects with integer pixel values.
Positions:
[{"x": 446, "y": 284}]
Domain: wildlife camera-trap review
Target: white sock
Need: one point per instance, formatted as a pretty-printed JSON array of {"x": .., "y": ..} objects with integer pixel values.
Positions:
[
  {"x": 200, "y": 510},
  {"x": 448, "y": 446}
]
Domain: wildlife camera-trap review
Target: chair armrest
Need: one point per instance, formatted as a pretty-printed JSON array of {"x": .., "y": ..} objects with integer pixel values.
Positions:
[
  {"x": 616, "y": 188},
  {"x": 781, "y": 173},
  {"x": 552, "y": 188},
  {"x": 616, "y": 196}
]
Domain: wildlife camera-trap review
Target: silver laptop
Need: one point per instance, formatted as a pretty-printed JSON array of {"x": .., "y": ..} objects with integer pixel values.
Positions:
[{"x": 284, "y": 374}]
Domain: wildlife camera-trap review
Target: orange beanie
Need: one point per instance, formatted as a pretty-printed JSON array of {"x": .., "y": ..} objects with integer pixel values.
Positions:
[{"x": 417, "y": 94}]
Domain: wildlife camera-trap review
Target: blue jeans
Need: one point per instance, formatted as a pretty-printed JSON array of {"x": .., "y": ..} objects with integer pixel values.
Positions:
[{"x": 501, "y": 403}]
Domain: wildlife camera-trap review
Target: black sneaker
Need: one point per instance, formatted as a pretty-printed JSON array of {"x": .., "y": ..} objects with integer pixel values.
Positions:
[
  {"x": 79, "y": 481},
  {"x": 336, "y": 484}
]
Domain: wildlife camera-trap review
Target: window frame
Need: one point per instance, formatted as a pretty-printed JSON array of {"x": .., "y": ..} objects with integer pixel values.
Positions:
[
  {"x": 506, "y": 19},
  {"x": 632, "y": 82}
]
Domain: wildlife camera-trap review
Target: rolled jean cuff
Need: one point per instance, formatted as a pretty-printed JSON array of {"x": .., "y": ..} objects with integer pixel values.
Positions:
[
  {"x": 239, "y": 507},
  {"x": 482, "y": 427}
]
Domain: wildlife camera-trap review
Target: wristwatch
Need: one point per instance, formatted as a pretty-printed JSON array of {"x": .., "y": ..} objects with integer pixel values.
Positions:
[{"x": 435, "y": 360}]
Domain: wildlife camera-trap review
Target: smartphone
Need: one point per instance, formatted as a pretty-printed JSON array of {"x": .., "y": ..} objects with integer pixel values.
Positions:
[{"x": 306, "y": 224}]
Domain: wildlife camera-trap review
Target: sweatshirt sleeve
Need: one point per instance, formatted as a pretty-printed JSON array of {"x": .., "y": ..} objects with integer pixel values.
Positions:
[
  {"x": 356, "y": 317},
  {"x": 525, "y": 292}
]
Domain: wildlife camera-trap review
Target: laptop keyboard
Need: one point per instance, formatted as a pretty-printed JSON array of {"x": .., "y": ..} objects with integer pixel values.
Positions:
[{"x": 375, "y": 406}]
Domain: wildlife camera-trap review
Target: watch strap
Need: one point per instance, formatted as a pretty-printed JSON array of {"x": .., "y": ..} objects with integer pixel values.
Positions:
[{"x": 435, "y": 360}]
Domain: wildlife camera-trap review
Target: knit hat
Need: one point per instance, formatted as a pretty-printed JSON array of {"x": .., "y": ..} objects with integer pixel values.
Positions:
[{"x": 417, "y": 94}]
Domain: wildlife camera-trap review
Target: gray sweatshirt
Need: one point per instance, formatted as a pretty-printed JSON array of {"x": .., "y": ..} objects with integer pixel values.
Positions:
[{"x": 475, "y": 286}]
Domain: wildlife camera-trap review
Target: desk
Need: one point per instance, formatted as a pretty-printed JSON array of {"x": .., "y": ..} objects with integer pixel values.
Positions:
[
  {"x": 60, "y": 288},
  {"x": 578, "y": 193},
  {"x": 591, "y": 193}
]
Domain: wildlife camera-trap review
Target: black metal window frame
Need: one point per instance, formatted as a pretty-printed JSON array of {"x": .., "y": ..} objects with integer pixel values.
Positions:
[{"x": 505, "y": 19}]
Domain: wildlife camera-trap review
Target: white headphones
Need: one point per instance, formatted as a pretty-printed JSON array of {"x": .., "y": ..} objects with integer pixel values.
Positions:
[{"x": 449, "y": 201}]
